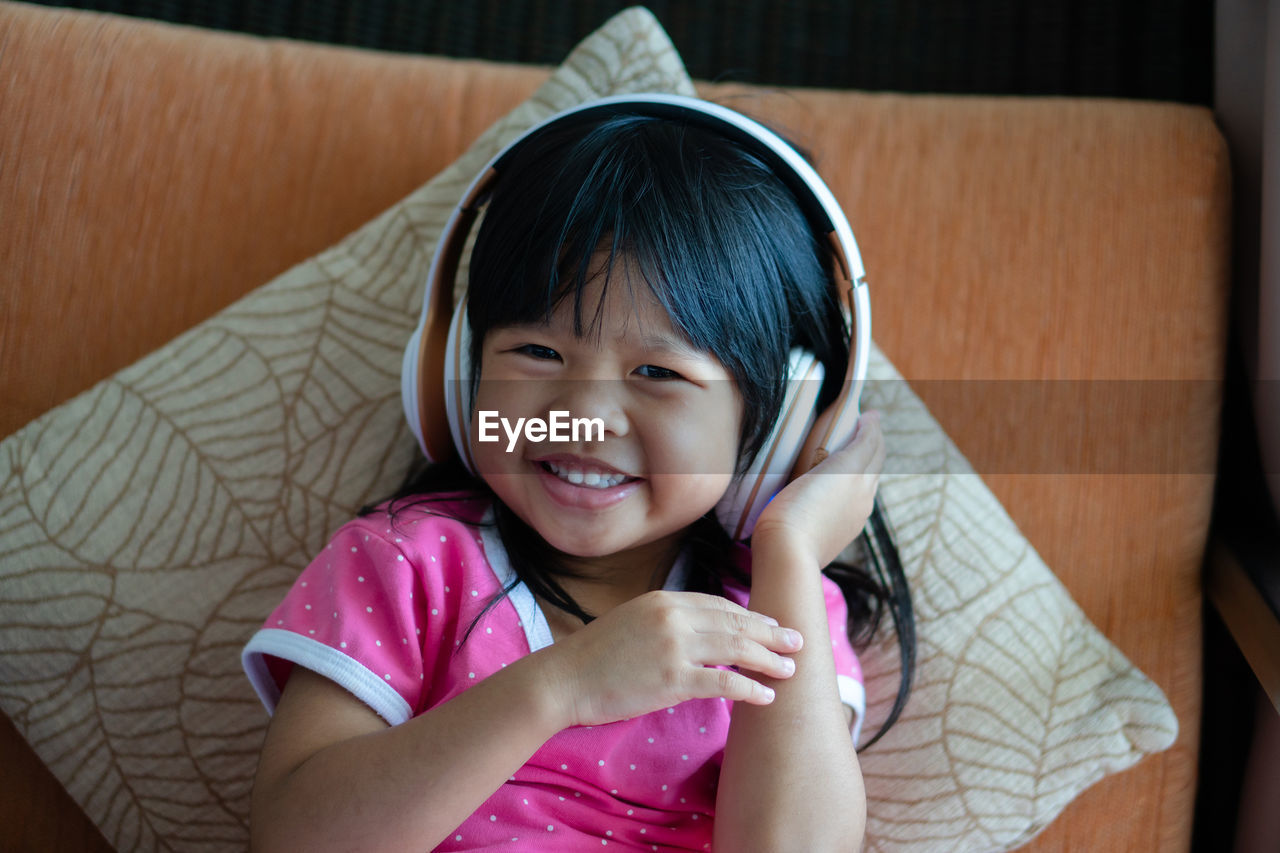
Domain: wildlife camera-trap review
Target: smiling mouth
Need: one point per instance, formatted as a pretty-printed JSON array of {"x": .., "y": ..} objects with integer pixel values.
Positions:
[{"x": 585, "y": 477}]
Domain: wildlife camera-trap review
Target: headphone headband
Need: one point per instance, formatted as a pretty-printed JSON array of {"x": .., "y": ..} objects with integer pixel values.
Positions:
[{"x": 435, "y": 352}]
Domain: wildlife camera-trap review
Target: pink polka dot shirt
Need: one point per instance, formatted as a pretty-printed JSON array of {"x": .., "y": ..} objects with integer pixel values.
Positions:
[{"x": 384, "y": 611}]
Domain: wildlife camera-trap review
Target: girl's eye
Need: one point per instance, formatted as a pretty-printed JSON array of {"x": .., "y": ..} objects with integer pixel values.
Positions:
[
  {"x": 538, "y": 351},
  {"x": 652, "y": 371}
]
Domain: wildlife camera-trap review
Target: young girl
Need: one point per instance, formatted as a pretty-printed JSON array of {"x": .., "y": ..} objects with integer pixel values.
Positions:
[{"x": 565, "y": 650}]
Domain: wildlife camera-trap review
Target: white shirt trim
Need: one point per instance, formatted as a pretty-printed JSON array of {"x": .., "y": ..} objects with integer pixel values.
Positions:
[
  {"x": 853, "y": 694},
  {"x": 333, "y": 664},
  {"x": 534, "y": 622}
]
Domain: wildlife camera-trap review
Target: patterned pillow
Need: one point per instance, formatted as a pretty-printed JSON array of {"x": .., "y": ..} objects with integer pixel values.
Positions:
[{"x": 152, "y": 522}]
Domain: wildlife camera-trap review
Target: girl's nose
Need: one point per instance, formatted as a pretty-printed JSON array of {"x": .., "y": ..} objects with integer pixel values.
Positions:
[{"x": 603, "y": 399}]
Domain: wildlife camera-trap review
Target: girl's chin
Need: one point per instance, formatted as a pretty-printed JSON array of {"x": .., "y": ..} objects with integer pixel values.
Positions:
[
  {"x": 575, "y": 541},
  {"x": 613, "y": 544}
]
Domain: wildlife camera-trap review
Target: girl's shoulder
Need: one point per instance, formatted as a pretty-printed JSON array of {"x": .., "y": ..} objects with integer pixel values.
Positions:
[{"x": 437, "y": 539}]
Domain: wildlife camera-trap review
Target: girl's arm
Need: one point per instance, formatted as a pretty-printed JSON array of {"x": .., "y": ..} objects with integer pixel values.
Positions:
[
  {"x": 791, "y": 779},
  {"x": 334, "y": 776}
]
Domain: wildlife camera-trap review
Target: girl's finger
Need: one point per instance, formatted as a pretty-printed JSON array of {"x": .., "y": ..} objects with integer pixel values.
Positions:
[
  {"x": 755, "y": 627},
  {"x": 863, "y": 419},
  {"x": 737, "y": 650},
  {"x": 863, "y": 454},
  {"x": 703, "y": 682},
  {"x": 705, "y": 603}
]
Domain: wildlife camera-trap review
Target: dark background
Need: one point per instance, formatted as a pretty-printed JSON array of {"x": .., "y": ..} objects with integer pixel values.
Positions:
[
  {"x": 1145, "y": 49},
  {"x": 1151, "y": 49}
]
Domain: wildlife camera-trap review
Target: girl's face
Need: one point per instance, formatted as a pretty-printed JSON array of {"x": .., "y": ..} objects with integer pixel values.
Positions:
[{"x": 669, "y": 415}]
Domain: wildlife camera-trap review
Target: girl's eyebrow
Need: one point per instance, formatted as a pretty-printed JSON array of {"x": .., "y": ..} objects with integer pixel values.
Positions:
[{"x": 675, "y": 346}]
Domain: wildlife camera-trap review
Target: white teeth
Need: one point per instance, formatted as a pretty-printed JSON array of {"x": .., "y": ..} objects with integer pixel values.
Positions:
[{"x": 590, "y": 479}]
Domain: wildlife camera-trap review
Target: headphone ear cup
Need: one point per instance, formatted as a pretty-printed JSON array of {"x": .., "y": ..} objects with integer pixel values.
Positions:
[
  {"x": 750, "y": 492},
  {"x": 457, "y": 384}
]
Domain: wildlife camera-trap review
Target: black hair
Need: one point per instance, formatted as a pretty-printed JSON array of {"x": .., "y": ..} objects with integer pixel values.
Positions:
[{"x": 726, "y": 249}]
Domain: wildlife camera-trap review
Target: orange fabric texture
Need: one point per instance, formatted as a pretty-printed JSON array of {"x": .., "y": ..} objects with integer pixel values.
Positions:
[
  {"x": 150, "y": 175},
  {"x": 153, "y": 174}
]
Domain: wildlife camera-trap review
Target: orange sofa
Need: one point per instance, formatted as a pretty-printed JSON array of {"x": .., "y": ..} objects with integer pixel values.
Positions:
[{"x": 151, "y": 175}]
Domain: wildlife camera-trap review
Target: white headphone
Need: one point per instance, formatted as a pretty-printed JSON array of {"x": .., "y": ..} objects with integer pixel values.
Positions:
[{"x": 435, "y": 381}]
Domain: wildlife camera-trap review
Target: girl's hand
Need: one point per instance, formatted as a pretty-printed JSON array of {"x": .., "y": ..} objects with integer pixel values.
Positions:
[
  {"x": 821, "y": 511},
  {"x": 659, "y": 649}
]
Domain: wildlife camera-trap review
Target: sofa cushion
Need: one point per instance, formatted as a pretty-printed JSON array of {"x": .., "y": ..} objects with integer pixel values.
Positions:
[{"x": 152, "y": 522}]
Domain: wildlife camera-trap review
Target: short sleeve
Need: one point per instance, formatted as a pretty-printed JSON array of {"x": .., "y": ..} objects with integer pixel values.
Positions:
[
  {"x": 848, "y": 669},
  {"x": 354, "y": 615}
]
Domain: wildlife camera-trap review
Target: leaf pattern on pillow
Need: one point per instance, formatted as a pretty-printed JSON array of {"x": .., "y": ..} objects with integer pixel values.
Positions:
[
  {"x": 124, "y": 512},
  {"x": 1020, "y": 702}
]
